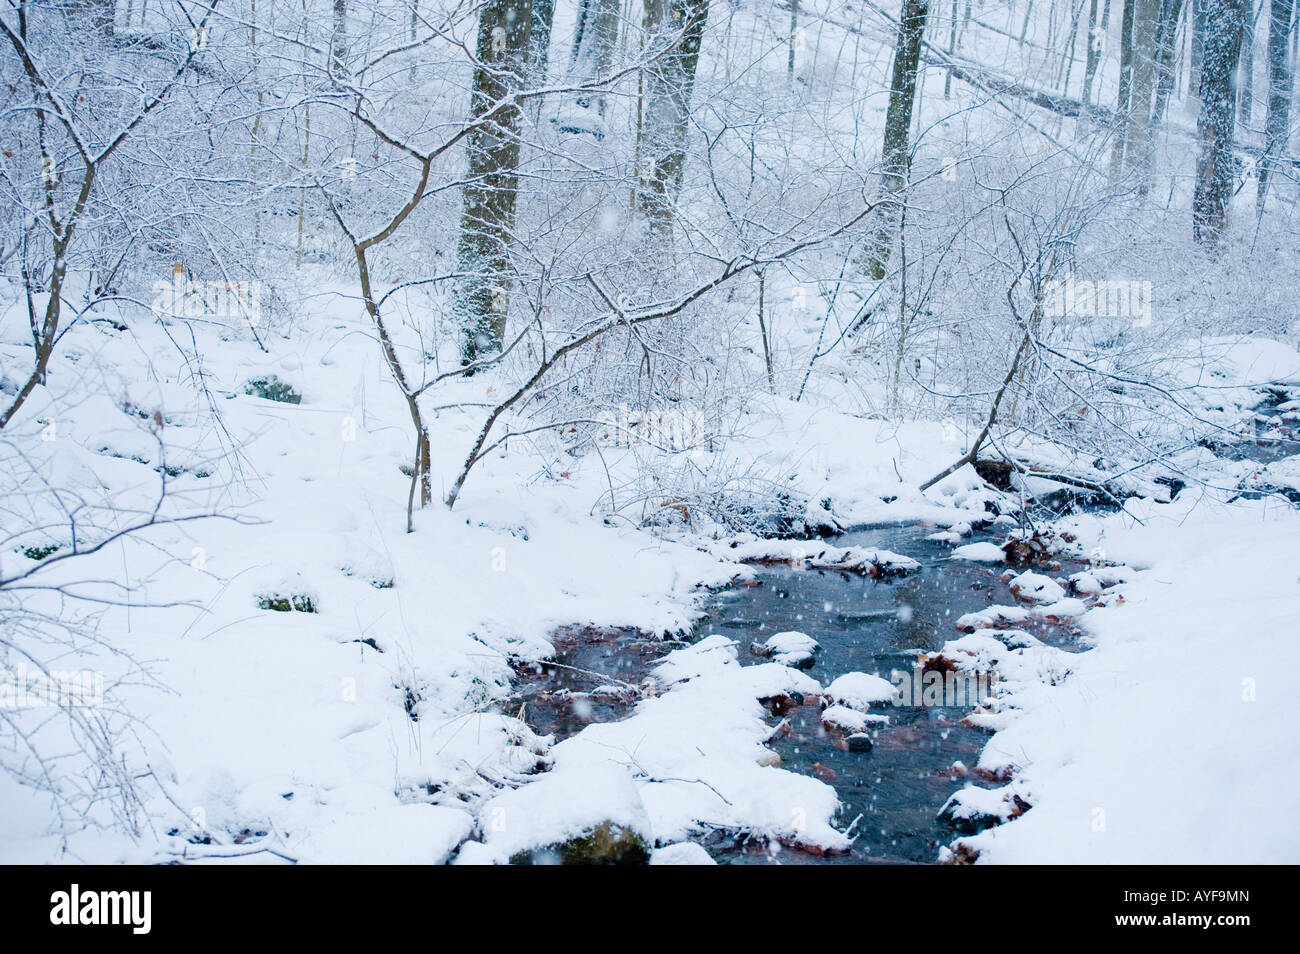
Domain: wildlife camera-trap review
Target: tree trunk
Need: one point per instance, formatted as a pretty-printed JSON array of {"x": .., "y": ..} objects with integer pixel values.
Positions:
[
  {"x": 1171, "y": 11},
  {"x": 668, "y": 86},
  {"x": 539, "y": 44},
  {"x": 794, "y": 32},
  {"x": 895, "y": 159},
  {"x": 1277, "y": 127},
  {"x": 488, "y": 215},
  {"x": 593, "y": 49},
  {"x": 1197, "y": 25},
  {"x": 1125, "y": 87},
  {"x": 1137, "y": 87},
  {"x": 1096, "y": 46},
  {"x": 952, "y": 47},
  {"x": 1246, "y": 102},
  {"x": 339, "y": 37},
  {"x": 1216, "y": 165}
]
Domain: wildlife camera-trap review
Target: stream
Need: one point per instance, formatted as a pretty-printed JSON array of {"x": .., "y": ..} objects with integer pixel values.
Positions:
[
  {"x": 863, "y": 624},
  {"x": 892, "y": 793}
]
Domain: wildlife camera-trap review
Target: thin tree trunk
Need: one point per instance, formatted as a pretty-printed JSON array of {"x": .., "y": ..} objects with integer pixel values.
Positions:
[
  {"x": 1125, "y": 88},
  {"x": 1096, "y": 44},
  {"x": 539, "y": 44},
  {"x": 1246, "y": 101},
  {"x": 593, "y": 50},
  {"x": 339, "y": 36},
  {"x": 794, "y": 33},
  {"x": 1067, "y": 68},
  {"x": 1277, "y": 126},
  {"x": 1137, "y": 87},
  {"x": 1171, "y": 13},
  {"x": 952, "y": 47},
  {"x": 762, "y": 327},
  {"x": 895, "y": 158},
  {"x": 302, "y": 193},
  {"x": 488, "y": 214},
  {"x": 1199, "y": 11}
]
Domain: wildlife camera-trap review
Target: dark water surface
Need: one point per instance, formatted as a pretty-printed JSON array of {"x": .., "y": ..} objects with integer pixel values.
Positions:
[
  {"x": 877, "y": 626},
  {"x": 865, "y": 625}
]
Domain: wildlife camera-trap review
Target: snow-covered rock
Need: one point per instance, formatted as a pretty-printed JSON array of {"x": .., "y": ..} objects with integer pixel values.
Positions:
[
  {"x": 789, "y": 649},
  {"x": 981, "y": 552},
  {"x": 857, "y": 690},
  {"x": 1036, "y": 588},
  {"x": 850, "y": 720},
  {"x": 973, "y": 809}
]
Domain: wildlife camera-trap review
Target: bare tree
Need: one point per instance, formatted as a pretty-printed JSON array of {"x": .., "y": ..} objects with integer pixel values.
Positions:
[{"x": 67, "y": 194}]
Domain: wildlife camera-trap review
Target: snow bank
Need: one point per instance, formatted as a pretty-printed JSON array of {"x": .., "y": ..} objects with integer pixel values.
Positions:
[
  {"x": 819, "y": 555},
  {"x": 692, "y": 758},
  {"x": 1168, "y": 741}
]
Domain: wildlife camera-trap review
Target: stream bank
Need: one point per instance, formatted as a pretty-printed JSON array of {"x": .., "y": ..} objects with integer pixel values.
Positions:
[{"x": 892, "y": 779}]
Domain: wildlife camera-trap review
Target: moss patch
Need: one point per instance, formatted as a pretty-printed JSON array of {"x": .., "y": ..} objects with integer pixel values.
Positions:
[
  {"x": 271, "y": 388},
  {"x": 40, "y": 552},
  {"x": 606, "y": 844},
  {"x": 298, "y": 602}
]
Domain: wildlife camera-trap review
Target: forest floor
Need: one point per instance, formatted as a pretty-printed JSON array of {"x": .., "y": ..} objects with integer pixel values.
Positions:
[{"x": 376, "y": 719}]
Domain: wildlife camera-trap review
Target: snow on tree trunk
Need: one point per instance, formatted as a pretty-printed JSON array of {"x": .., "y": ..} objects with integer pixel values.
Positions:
[
  {"x": 1246, "y": 100},
  {"x": 1196, "y": 23},
  {"x": 488, "y": 214},
  {"x": 1277, "y": 126},
  {"x": 668, "y": 86},
  {"x": 539, "y": 43},
  {"x": 1137, "y": 87},
  {"x": 898, "y": 123},
  {"x": 339, "y": 38},
  {"x": 593, "y": 57},
  {"x": 1216, "y": 165}
]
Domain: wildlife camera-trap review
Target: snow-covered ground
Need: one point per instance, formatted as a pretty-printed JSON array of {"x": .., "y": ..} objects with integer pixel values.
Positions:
[
  {"x": 290, "y": 675},
  {"x": 379, "y": 725},
  {"x": 1171, "y": 740}
]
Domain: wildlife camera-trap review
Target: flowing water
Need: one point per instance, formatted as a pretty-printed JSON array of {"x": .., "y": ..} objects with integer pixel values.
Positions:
[
  {"x": 876, "y": 626},
  {"x": 866, "y": 625}
]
